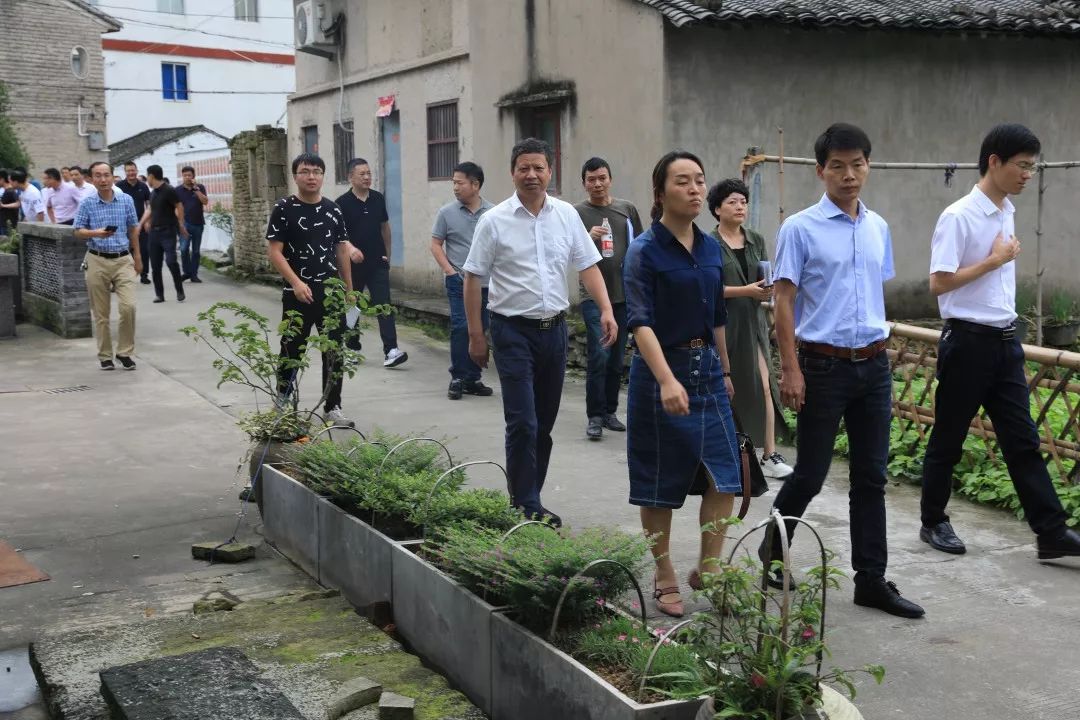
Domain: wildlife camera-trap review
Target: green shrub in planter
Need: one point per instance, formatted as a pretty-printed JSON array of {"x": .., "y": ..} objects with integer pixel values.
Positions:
[
  {"x": 530, "y": 569},
  {"x": 620, "y": 649},
  {"x": 482, "y": 507}
]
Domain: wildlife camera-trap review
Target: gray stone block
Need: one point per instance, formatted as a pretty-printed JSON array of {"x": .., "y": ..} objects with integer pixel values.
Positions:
[
  {"x": 291, "y": 519},
  {"x": 353, "y": 557},
  {"x": 228, "y": 553},
  {"x": 354, "y": 694},
  {"x": 396, "y": 707},
  {"x": 214, "y": 683}
]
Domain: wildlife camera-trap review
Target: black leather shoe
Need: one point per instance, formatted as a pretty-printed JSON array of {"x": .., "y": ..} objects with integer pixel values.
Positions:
[
  {"x": 595, "y": 429},
  {"x": 144, "y": 280},
  {"x": 883, "y": 595},
  {"x": 476, "y": 388},
  {"x": 941, "y": 537},
  {"x": 611, "y": 422},
  {"x": 159, "y": 299},
  {"x": 1067, "y": 543},
  {"x": 180, "y": 297},
  {"x": 776, "y": 576},
  {"x": 544, "y": 515},
  {"x": 454, "y": 390}
]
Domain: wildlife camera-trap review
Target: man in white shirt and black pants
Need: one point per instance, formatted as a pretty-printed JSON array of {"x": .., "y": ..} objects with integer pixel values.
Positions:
[
  {"x": 525, "y": 245},
  {"x": 980, "y": 360}
]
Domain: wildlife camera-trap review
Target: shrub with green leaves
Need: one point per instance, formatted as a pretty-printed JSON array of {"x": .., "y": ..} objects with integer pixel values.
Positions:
[
  {"x": 530, "y": 569},
  {"x": 619, "y": 643}
]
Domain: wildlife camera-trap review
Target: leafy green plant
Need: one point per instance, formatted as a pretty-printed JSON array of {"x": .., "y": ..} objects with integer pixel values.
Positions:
[
  {"x": 530, "y": 569},
  {"x": 12, "y": 151},
  {"x": 1026, "y": 299},
  {"x": 1062, "y": 309},
  {"x": 11, "y": 242},
  {"x": 755, "y": 656},
  {"x": 620, "y": 649},
  {"x": 221, "y": 218}
]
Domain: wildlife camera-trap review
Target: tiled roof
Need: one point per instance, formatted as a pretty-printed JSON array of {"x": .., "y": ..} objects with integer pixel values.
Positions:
[
  {"x": 1053, "y": 17},
  {"x": 112, "y": 23},
  {"x": 148, "y": 140}
]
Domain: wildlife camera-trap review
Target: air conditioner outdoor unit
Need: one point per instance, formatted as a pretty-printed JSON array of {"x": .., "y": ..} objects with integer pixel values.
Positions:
[{"x": 311, "y": 18}]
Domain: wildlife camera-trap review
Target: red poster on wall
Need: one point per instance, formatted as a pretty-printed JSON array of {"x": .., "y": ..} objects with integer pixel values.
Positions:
[{"x": 386, "y": 106}]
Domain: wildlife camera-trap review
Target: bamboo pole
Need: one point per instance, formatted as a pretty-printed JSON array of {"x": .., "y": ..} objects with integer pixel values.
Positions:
[
  {"x": 780, "y": 160},
  {"x": 1038, "y": 262}
]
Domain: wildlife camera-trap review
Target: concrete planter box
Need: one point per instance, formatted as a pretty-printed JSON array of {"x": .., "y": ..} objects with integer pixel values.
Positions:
[
  {"x": 533, "y": 680},
  {"x": 444, "y": 623},
  {"x": 290, "y": 515},
  {"x": 354, "y": 557}
]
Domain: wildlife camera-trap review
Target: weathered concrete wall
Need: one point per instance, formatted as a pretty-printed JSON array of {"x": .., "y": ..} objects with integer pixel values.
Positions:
[
  {"x": 921, "y": 98},
  {"x": 260, "y": 171},
  {"x": 54, "y": 287},
  {"x": 44, "y": 93}
]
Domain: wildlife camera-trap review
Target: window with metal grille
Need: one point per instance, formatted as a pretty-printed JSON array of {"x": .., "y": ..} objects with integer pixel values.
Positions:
[
  {"x": 545, "y": 123},
  {"x": 442, "y": 134},
  {"x": 176, "y": 7},
  {"x": 247, "y": 10},
  {"x": 310, "y": 134},
  {"x": 174, "y": 81},
  {"x": 343, "y": 151}
]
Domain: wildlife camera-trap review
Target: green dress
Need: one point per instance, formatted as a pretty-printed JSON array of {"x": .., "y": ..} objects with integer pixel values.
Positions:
[{"x": 748, "y": 334}]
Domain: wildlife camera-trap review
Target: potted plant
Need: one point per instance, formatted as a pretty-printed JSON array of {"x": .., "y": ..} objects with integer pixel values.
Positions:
[
  {"x": 1061, "y": 327},
  {"x": 247, "y": 354},
  {"x": 1026, "y": 311}
]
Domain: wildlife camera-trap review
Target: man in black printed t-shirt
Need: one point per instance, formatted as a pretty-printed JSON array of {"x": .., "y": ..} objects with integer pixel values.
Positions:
[{"x": 308, "y": 245}]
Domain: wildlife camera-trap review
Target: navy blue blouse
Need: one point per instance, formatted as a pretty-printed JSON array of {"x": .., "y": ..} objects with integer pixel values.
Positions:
[{"x": 680, "y": 295}]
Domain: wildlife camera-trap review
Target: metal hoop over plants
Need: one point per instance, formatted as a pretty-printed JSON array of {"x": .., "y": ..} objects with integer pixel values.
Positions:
[
  {"x": 660, "y": 640},
  {"x": 448, "y": 473},
  {"x": 403, "y": 443},
  {"x": 580, "y": 574},
  {"x": 328, "y": 428}
]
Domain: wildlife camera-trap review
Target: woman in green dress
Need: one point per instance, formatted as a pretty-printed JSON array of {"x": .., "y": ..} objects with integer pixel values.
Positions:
[{"x": 757, "y": 397}]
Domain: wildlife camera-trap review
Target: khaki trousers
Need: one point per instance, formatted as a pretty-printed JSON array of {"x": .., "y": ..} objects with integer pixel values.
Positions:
[{"x": 102, "y": 274}]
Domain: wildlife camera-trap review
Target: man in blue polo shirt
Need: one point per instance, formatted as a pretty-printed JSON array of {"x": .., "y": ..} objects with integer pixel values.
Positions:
[
  {"x": 980, "y": 361},
  {"x": 831, "y": 262},
  {"x": 108, "y": 223}
]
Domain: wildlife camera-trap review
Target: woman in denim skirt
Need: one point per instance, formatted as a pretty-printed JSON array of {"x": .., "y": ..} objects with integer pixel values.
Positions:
[{"x": 680, "y": 433}]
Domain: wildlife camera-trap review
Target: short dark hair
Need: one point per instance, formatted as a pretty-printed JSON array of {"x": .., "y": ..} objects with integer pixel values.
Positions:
[
  {"x": 131, "y": 163},
  {"x": 353, "y": 164},
  {"x": 64, "y": 168},
  {"x": 531, "y": 146},
  {"x": 187, "y": 168},
  {"x": 1007, "y": 141},
  {"x": 77, "y": 169},
  {"x": 840, "y": 136},
  {"x": 719, "y": 192},
  {"x": 3, "y": 174},
  {"x": 18, "y": 175},
  {"x": 593, "y": 164},
  {"x": 659, "y": 177},
  {"x": 307, "y": 158},
  {"x": 155, "y": 172},
  {"x": 471, "y": 170},
  {"x": 53, "y": 173},
  {"x": 95, "y": 164}
]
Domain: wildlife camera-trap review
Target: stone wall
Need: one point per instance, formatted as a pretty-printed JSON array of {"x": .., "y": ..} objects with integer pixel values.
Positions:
[
  {"x": 260, "y": 177},
  {"x": 53, "y": 284},
  {"x": 48, "y": 102}
]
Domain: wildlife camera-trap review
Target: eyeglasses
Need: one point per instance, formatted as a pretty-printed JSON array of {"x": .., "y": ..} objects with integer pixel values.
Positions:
[
  {"x": 1029, "y": 167},
  {"x": 313, "y": 173}
]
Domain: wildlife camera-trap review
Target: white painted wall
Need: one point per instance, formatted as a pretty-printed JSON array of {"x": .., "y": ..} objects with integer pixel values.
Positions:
[{"x": 205, "y": 24}]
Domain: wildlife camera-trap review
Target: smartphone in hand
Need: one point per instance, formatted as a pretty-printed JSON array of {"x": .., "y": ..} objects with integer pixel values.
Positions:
[{"x": 110, "y": 229}]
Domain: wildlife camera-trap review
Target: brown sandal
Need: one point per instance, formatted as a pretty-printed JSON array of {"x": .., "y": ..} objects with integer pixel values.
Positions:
[
  {"x": 694, "y": 580},
  {"x": 674, "y": 608}
]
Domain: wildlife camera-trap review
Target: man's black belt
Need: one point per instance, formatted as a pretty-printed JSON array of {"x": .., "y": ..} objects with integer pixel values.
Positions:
[
  {"x": 533, "y": 323},
  {"x": 1005, "y": 333},
  {"x": 108, "y": 255},
  {"x": 166, "y": 227}
]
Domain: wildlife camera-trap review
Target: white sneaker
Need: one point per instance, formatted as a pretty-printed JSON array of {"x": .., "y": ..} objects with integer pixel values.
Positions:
[
  {"x": 394, "y": 358},
  {"x": 336, "y": 418},
  {"x": 774, "y": 466}
]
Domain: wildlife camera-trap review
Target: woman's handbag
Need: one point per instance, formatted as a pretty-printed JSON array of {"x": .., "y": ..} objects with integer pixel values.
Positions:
[{"x": 753, "y": 480}]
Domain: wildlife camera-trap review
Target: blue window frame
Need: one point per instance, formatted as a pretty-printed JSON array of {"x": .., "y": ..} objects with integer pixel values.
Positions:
[{"x": 174, "y": 81}]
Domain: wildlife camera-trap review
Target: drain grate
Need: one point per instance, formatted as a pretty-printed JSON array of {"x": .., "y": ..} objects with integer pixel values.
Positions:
[{"x": 62, "y": 390}]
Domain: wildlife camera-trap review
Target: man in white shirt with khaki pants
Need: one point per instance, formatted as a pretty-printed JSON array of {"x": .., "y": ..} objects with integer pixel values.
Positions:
[{"x": 980, "y": 360}]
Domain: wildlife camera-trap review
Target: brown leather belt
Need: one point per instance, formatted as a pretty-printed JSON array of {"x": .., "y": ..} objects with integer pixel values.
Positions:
[
  {"x": 695, "y": 344},
  {"x": 852, "y": 354}
]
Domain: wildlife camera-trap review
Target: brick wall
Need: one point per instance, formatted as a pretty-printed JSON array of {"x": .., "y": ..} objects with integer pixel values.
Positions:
[
  {"x": 44, "y": 93},
  {"x": 259, "y": 169},
  {"x": 53, "y": 284}
]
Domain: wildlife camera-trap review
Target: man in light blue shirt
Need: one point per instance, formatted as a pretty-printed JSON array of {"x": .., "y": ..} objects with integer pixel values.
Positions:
[{"x": 831, "y": 262}]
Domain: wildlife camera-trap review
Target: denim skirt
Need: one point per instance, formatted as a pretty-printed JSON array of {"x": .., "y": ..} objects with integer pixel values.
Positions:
[{"x": 672, "y": 456}]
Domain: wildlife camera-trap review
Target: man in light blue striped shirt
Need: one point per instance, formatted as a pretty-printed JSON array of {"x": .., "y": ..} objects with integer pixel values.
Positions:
[
  {"x": 831, "y": 262},
  {"x": 107, "y": 221}
]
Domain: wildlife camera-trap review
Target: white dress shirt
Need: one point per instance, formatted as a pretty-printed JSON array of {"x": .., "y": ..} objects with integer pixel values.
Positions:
[
  {"x": 86, "y": 190},
  {"x": 65, "y": 201},
  {"x": 527, "y": 256},
  {"x": 963, "y": 237}
]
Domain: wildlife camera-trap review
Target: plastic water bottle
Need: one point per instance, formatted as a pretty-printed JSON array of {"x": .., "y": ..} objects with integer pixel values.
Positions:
[{"x": 607, "y": 243}]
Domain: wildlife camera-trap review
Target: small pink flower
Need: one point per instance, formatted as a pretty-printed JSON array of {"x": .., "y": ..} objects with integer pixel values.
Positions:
[
  {"x": 635, "y": 604},
  {"x": 622, "y": 637},
  {"x": 807, "y": 633},
  {"x": 634, "y": 639},
  {"x": 757, "y": 680},
  {"x": 599, "y": 602}
]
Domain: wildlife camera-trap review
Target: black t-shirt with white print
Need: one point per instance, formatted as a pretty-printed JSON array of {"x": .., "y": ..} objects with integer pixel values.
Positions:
[{"x": 311, "y": 233}]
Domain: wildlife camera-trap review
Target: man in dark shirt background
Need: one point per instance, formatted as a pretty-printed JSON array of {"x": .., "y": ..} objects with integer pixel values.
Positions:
[
  {"x": 368, "y": 225},
  {"x": 193, "y": 196},
  {"x": 308, "y": 245},
  {"x": 139, "y": 193},
  {"x": 166, "y": 219},
  {"x": 9, "y": 204}
]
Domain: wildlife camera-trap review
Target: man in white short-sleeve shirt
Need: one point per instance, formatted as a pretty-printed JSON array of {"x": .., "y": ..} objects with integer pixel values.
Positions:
[
  {"x": 980, "y": 360},
  {"x": 525, "y": 245}
]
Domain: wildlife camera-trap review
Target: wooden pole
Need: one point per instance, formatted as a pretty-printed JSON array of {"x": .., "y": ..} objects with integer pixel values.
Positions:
[
  {"x": 1038, "y": 260},
  {"x": 780, "y": 130}
]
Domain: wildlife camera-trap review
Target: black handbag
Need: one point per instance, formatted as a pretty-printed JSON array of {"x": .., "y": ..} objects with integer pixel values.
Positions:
[{"x": 753, "y": 480}]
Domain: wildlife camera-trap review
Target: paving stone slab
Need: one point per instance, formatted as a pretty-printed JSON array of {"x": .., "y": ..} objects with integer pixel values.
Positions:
[{"x": 212, "y": 683}]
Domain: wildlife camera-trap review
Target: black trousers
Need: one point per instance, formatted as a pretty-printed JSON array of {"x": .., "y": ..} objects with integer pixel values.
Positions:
[
  {"x": 373, "y": 275},
  {"x": 977, "y": 367},
  {"x": 313, "y": 315},
  {"x": 163, "y": 248},
  {"x": 144, "y": 250}
]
